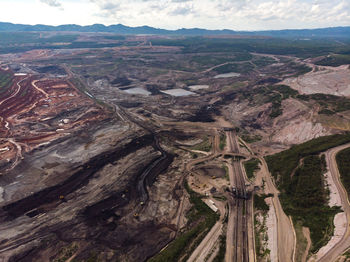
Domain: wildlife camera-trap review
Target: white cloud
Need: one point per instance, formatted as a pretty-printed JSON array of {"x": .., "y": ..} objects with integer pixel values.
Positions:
[
  {"x": 172, "y": 14},
  {"x": 53, "y": 3}
]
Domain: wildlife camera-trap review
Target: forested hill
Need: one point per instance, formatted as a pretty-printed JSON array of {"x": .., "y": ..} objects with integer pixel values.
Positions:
[{"x": 335, "y": 32}]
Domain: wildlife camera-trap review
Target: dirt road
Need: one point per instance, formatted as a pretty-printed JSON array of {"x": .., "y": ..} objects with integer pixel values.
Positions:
[
  {"x": 344, "y": 243},
  {"x": 16, "y": 92},
  {"x": 285, "y": 231},
  {"x": 40, "y": 89},
  {"x": 211, "y": 239},
  {"x": 208, "y": 243}
]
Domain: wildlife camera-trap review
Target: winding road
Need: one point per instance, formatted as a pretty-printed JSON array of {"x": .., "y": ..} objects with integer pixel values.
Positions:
[{"x": 340, "y": 247}]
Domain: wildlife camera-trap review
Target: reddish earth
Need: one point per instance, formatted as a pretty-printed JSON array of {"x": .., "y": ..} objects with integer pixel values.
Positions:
[{"x": 34, "y": 111}]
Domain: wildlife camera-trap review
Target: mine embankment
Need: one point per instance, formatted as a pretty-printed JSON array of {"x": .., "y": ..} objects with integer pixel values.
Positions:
[
  {"x": 303, "y": 195},
  {"x": 200, "y": 220},
  {"x": 80, "y": 178}
]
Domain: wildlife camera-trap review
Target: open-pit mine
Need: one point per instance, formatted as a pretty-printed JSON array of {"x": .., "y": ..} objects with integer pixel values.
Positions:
[{"x": 166, "y": 149}]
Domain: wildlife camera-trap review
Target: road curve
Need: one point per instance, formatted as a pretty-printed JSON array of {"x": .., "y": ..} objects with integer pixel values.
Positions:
[{"x": 344, "y": 243}]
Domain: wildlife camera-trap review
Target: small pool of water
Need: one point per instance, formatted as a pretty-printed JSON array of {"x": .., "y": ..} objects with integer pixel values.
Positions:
[
  {"x": 178, "y": 92},
  {"x": 138, "y": 91},
  {"x": 227, "y": 75}
]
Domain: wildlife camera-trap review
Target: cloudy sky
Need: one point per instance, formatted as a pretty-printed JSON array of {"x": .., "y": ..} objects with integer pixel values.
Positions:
[{"x": 173, "y": 14}]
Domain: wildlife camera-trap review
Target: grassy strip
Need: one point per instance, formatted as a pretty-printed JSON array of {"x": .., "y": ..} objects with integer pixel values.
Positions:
[
  {"x": 220, "y": 257},
  {"x": 335, "y": 60},
  {"x": 329, "y": 104},
  {"x": 227, "y": 176},
  {"x": 343, "y": 162},
  {"x": 251, "y": 166},
  {"x": 301, "y": 243},
  {"x": 303, "y": 195},
  {"x": 237, "y": 68},
  {"x": 5, "y": 81},
  {"x": 203, "y": 146},
  {"x": 251, "y": 138},
  {"x": 200, "y": 220},
  {"x": 222, "y": 141},
  {"x": 259, "y": 202}
]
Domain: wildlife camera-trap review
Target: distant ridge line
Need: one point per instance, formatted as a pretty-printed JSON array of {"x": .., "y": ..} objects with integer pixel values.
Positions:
[{"x": 341, "y": 32}]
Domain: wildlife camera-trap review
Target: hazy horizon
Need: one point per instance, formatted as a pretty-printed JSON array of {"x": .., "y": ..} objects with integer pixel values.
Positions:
[
  {"x": 241, "y": 15},
  {"x": 64, "y": 24}
]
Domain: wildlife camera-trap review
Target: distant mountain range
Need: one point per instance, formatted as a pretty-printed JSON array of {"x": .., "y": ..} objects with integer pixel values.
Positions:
[{"x": 337, "y": 32}]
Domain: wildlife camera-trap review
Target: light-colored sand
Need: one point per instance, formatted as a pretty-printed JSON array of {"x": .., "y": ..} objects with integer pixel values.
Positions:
[
  {"x": 198, "y": 87},
  {"x": 1, "y": 194},
  {"x": 334, "y": 197},
  {"x": 271, "y": 223},
  {"x": 297, "y": 124},
  {"x": 328, "y": 80},
  {"x": 339, "y": 230},
  {"x": 299, "y": 132},
  {"x": 340, "y": 222}
]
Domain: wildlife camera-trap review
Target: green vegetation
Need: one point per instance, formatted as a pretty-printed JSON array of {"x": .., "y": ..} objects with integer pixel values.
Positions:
[
  {"x": 326, "y": 111},
  {"x": 237, "y": 68},
  {"x": 285, "y": 91},
  {"x": 210, "y": 60},
  {"x": 251, "y": 166},
  {"x": 330, "y": 104},
  {"x": 226, "y": 171},
  {"x": 282, "y": 164},
  {"x": 259, "y": 202},
  {"x": 222, "y": 141},
  {"x": 237, "y": 49},
  {"x": 66, "y": 253},
  {"x": 200, "y": 220},
  {"x": 278, "y": 93},
  {"x": 194, "y": 155},
  {"x": 115, "y": 37},
  {"x": 273, "y": 94},
  {"x": 312, "y": 48},
  {"x": 301, "y": 241},
  {"x": 235, "y": 86},
  {"x": 343, "y": 162},
  {"x": 306, "y": 200},
  {"x": 276, "y": 109},
  {"x": 220, "y": 198},
  {"x": 335, "y": 60},
  {"x": 5, "y": 81},
  {"x": 347, "y": 254},
  {"x": 205, "y": 145},
  {"x": 251, "y": 138},
  {"x": 261, "y": 61},
  {"x": 298, "y": 172},
  {"x": 300, "y": 69},
  {"x": 261, "y": 209}
]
